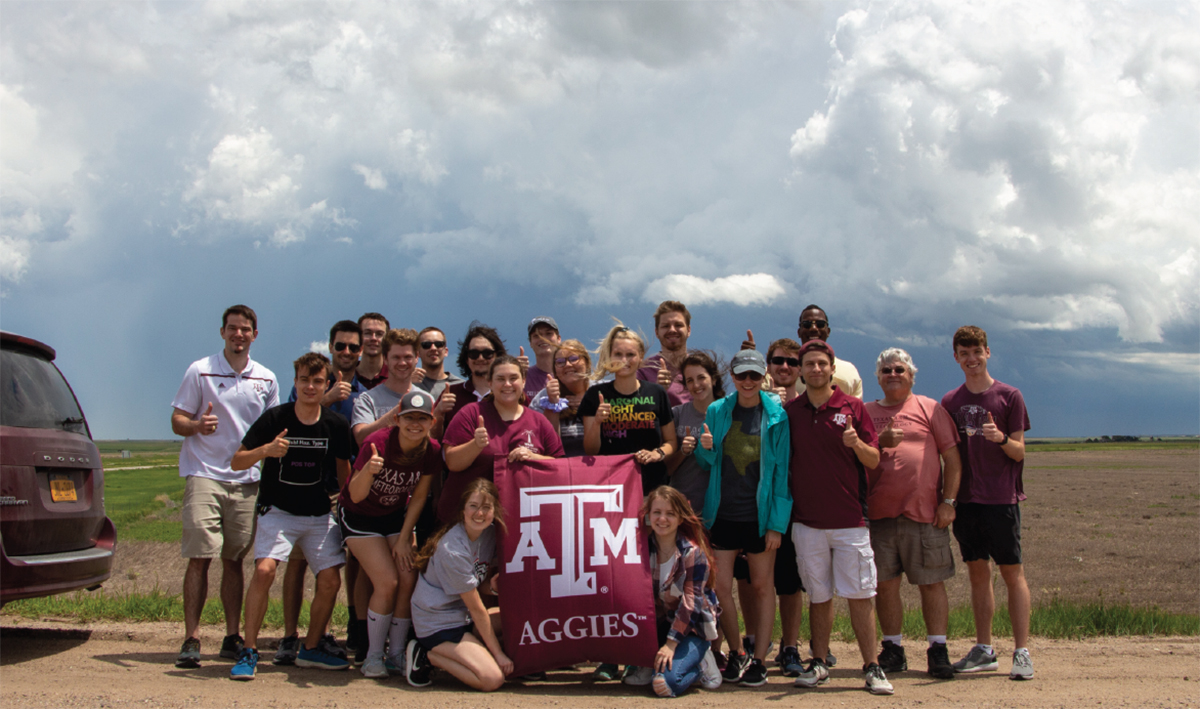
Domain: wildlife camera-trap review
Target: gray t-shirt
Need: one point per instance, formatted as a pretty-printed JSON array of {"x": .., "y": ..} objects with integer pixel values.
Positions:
[
  {"x": 689, "y": 478},
  {"x": 739, "y": 467},
  {"x": 458, "y": 566},
  {"x": 435, "y": 387},
  {"x": 372, "y": 404}
]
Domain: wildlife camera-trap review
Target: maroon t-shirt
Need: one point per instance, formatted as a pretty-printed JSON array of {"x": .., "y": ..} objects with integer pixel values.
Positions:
[
  {"x": 530, "y": 430},
  {"x": 677, "y": 393},
  {"x": 464, "y": 393},
  {"x": 989, "y": 476},
  {"x": 829, "y": 484},
  {"x": 395, "y": 483}
]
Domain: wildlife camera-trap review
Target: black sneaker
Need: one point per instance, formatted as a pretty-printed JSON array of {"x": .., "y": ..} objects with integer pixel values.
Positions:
[
  {"x": 329, "y": 644},
  {"x": 790, "y": 662},
  {"x": 892, "y": 658},
  {"x": 417, "y": 667},
  {"x": 231, "y": 646},
  {"x": 351, "y": 631},
  {"x": 939, "y": 661},
  {"x": 755, "y": 674},
  {"x": 735, "y": 667}
]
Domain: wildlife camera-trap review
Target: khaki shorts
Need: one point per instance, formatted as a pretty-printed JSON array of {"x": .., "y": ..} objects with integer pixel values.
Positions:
[
  {"x": 218, "y": 518},
  {"x": 919, "y": 551},
  {"x": 835, "y": 562}
]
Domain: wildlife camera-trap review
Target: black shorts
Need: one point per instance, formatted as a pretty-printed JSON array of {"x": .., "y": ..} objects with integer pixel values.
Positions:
[
  {"x": 989, "y": 532},
  {"x": 356, "y": 525},
  {"x": 427, "y": 523},
  {"x": 737, "y": 536},
  {"x": 787, "y": 574},
  {"x": 449, "y": 635}
]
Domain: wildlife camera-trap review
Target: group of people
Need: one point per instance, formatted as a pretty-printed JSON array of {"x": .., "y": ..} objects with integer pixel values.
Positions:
[{"x": 381, "y": 465}]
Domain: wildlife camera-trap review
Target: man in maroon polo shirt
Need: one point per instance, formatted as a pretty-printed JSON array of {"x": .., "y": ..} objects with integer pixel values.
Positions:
[{"x": 833, "y": 443}]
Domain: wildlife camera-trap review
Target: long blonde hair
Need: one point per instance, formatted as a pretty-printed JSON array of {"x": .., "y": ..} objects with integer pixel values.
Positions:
[{"x": 604, "y": 362}]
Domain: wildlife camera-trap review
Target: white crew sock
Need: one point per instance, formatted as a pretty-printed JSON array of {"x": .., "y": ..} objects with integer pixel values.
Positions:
[
  {"x": 894, "y": 639},
  {"x": 935, "y": 639},
  {"x": 986, "y": 648},
  {"x": 398, "y": 635},
  {"x": 377, "y": 631}
]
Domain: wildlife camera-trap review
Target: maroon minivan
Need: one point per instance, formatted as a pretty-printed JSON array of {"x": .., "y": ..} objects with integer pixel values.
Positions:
[{"x": 54, "y": 536}]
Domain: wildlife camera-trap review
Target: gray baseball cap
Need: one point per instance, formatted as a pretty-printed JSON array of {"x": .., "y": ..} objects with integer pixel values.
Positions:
[
  {"x": 749, "y": 361},
  {"x": 542, "y": 320},
  {"x": 416, "y": 400}
]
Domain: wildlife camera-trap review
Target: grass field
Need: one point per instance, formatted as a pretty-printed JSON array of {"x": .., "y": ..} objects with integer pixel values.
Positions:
[{"x": 144, "y": 504}]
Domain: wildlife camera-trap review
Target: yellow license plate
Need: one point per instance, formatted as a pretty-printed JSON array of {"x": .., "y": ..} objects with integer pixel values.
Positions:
[{"x": 62, "y": 488}]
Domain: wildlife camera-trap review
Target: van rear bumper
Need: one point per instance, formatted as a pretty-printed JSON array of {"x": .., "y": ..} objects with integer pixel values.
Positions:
[{"x": 48, "y": 574}]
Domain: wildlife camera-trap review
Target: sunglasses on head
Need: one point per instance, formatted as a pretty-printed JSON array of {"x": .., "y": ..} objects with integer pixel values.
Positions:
[
  {"x": 898, "y": 369},
  {"x": 476, "y": 354},
  {"x": 789, "y": 361},
  {"x": 819, "y": 324},
  {"x": 341, "y": 347},
  {"x": 752, "y": 376},
  {"x": 430, "y": 344},
  {"x": 562, "y": 361}
]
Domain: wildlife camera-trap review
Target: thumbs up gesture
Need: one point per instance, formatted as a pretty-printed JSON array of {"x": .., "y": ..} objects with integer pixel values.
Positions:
[
  {"x": 522, "y": 358},
  {"x": 688, "y": 445},
  {"x": 278, "y": 447},
  {"x": 890, "y": 436},
  {"x": 849, "y": 434},
  {"x": 481, "y": 435},
  {"x": 340, "y": 391},
  {"x": 374, "y": 464},
  {"x": 552, "y": 389},
  {"x": 706, "y": 439},
  {"x": 748, "y": 343},
  {"x": 418, "y": 375},
  {"x": 208, "y": 421},
  {"x": 990, "y": 431},
  {"x": 603, "y": 411}
]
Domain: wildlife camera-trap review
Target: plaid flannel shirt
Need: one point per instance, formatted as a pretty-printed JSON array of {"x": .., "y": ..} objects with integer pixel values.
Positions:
[{"x": 685, "y": 600}]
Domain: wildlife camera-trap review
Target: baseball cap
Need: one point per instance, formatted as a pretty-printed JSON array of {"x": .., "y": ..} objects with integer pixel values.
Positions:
[
  {"x": 818, "y": 346},
  {"x": 416, "y": 400},
  {"x": 543, "y": 320},
  {"x": 749, "y": 361}
]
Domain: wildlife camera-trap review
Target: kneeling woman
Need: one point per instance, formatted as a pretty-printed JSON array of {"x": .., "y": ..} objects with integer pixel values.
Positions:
[
  {"x": 684, "y": 602},
  {"x": 377, "y": 511},
  {"x": 455, "y": 632}
]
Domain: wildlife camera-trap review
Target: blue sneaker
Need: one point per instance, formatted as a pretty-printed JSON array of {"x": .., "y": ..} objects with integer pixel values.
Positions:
[
  {"x": 320, "y": 660},
  {"x": 245, "y": 666}
]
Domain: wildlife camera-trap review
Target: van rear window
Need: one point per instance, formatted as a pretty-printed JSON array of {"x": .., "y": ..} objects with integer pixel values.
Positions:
[{"x": 35, "y": 395}]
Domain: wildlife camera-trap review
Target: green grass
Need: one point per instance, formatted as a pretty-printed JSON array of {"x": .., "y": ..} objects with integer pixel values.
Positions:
[
  {"x": 140, "y": 447},
  {"x": 1189, "y": 444},
  {"x": 133, "y": 500}
]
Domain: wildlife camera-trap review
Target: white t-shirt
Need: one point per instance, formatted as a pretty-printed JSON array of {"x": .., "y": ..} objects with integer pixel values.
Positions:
[{"x": 238, "y": 399}]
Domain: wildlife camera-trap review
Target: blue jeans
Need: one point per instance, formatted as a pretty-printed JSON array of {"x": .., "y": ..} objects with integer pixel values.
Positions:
[{"x": 685, "y": 666}]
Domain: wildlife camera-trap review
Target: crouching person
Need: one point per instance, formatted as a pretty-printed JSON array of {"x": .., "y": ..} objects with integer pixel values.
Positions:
[
  {"x": 455, "y": 631},
  {"x": 298, "y": 442}
]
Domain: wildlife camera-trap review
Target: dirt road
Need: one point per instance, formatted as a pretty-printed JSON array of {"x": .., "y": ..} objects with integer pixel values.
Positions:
[{"x": 47, "y": 664}]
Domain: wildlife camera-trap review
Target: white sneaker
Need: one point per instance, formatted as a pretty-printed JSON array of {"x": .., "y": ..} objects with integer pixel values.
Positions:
[
  {"x": 638, "y": 676},
  {"x": 373, "y": 666},
  {"x": 1022, "y": 667},
  {"x": 394, "y": 664},
  {"x": 877, "y": 681},
  {"x": 710, "y": 674}
]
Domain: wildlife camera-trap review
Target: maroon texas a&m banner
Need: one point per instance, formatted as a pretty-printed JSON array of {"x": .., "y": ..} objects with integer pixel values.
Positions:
[{"x": 575, "y": 576}]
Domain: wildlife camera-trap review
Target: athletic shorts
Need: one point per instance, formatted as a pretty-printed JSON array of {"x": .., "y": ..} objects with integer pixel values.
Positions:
[
  {"x": 835, "y": 562},
  {"x": 355, "y": 525},
  {"x": 279, "y": 532},
  {"x": 787, "y": 576},
  {"x": 989, "y": 532},
  {"x": 737, "y": 536},
  {"x": 920, "y": 551},
  {"x": 218, "y": 518},
  {"x": 449, "y": 635}
]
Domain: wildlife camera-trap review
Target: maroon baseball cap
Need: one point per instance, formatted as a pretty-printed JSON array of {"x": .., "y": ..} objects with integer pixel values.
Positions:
[{"x": 818, "y": 346}]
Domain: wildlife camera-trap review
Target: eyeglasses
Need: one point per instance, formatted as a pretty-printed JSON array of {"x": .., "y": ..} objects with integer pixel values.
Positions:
[
  {"x": 888, "y": 370},
  {"x": 789, "y": 361},
  {"x": 752, "y": 376},
  {"x": 476, "y": 354},
  {"x": 341, "y": 347},
  {"x": 563, "y": 361},
  {"x": 430, "y": 344},
  {"x": 819, "y": 324}
]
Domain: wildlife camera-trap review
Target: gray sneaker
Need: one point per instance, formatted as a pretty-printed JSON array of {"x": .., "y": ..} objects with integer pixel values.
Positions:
[
  {"x": 286, "y": 654},
  {"x": 1022, "y": 667},
  {"x": 816, "y": 673},
  {"x": 374, "y": 667},
  {"x": 638, "y": 676},
  {"x": 877, "y": 681},
  {"x": 977, "y": 660},
  {"x": 189, "y": 655}
]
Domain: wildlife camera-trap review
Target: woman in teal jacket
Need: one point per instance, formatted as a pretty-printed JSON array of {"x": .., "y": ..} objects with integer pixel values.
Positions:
[{"x": 746, "y": 448}]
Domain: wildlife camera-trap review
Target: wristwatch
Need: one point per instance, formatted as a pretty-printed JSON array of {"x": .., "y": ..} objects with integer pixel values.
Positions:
[{"x": 951, "y": 501}]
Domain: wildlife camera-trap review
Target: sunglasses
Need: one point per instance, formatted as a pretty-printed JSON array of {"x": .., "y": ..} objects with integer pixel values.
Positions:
[
  {"x": 789, "y": 361},
  {"x": 752, "y": 376},
  {"x": 888, "y": 370},
  {"x": 562, "y": 361},
  {"x": 341, "y": 347},
  {"x": 476, "y": 354},
  {"x": 430, "y": 344},
  {"x": 819, "y": 324}
]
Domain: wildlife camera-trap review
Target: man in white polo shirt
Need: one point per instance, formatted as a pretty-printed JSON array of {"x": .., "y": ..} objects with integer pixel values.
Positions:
[{"x": 221, "y": 395}]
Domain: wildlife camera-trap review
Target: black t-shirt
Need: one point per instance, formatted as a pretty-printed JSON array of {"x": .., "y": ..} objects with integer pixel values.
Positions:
[
  {"x": 740, "y": 466},
  {"x": 635, "y": 423},
  {"x": 294, "y": 483}
]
